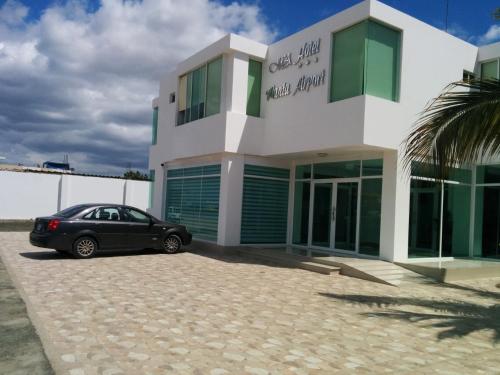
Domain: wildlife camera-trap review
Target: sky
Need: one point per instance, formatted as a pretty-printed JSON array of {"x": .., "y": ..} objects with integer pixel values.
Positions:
[{"x": 77, "y": 76}]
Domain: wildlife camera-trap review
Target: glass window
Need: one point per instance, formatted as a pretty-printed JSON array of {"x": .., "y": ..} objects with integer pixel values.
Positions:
[
  {"x": 373, "y": 167},
  {"x": 487, "y": 222},
  {"x": 337, "y": 170},
  {"x": 214, "y": 84},
  {"x": 382, "y": 62},
  {"x": 348, "y": 62},
  {"x": 155, "y": 126},
  {"x": 254, "y": 87},
  {"x": 258, "y": 170},
  {"x": 193, "y": 200},
  {"x": 301, "y": 212},
  {"x": 71, "y": 211},
  {"x": 427, "y": 170},
  {"x": 425, "y": 217},
  {"x": 489, "y": 70},
  {"x": 365, "y": 60},
  {"x": 104, "y": 213},
  {"x": 264, "y": 210},
  {"x": 456, "y": 219},
  {"x": 488, "y": 174},
  {"x": 371, "y": 203},
  {"x": 200, "y": 92},
  {"x": 182, "y": 106},
  {"x": 135, "y": 216},
  {"x": 302, "y": 171}
]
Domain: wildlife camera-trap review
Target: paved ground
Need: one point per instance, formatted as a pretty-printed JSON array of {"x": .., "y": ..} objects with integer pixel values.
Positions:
[
  {"x": 16, "y": 225},
  {"x": 187, "y": 314},
  {"x": 21, "y": 351}
]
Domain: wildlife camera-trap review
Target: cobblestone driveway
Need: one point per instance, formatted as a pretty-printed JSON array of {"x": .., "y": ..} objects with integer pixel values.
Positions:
[{"x": 188, "y": 314}]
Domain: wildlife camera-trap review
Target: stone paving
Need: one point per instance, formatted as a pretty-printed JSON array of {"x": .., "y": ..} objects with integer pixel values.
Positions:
[{"x": 152, "y": 313}]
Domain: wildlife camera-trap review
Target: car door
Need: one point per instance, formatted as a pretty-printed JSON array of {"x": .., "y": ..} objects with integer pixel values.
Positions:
[
  {"x": 142, "y": 233},
  {"x": 111, "y": 229}
]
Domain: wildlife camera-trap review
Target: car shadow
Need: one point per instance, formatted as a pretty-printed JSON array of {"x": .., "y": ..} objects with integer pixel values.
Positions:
[{"x": 54, "y": 255}]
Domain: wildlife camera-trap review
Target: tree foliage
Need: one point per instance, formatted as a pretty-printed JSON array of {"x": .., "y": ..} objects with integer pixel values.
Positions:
[
  {"x": 461, "y": 126},
  {"x": 135, "y": 175}
]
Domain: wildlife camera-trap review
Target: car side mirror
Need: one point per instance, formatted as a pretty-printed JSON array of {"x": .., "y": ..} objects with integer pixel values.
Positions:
[{"x": 151, "y": 222}]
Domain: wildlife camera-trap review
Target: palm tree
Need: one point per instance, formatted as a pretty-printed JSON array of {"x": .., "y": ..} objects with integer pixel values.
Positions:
[{"x": 460, "y": 127}]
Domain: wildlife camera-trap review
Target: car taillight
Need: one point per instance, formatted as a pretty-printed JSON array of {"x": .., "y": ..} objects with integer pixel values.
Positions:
[{"x": 53, "y": 224}]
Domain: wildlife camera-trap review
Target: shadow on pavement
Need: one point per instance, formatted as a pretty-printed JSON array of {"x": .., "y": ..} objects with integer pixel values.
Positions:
[
  {"x": 457, "y": 318},
  {"x": 54, "y": 255}
]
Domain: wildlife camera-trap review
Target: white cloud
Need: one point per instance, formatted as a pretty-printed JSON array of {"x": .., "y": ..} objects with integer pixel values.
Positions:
[
  {"x": 491, "y": 36},
  {"x": 81, "y": 83},
  {"x": 13, "y": 13}
]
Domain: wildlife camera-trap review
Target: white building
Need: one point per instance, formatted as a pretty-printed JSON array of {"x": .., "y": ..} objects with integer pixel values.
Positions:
[{"x": 297, "y": 142}]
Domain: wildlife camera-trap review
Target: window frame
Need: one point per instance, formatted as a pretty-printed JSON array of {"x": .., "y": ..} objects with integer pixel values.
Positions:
[
  {"x": 189, "y": 91},
  {"x": 397, "y": 95}
]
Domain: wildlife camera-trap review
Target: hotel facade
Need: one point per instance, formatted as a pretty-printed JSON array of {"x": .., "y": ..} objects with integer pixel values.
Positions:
[{"x": 299, "y": 143}]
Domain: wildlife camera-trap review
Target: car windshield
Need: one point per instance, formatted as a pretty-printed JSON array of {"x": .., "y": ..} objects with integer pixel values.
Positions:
[{"x": 70, "y": 211}]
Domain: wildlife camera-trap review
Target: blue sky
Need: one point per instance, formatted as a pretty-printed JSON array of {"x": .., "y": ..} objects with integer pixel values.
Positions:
[{"x": 466, "y": 18}]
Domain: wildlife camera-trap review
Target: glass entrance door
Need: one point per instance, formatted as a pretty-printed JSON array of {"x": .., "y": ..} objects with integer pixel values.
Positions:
[
  {"x": 346, "y": 216},
  {"x": 334, "y": 223},
  {"x": 322, "y": 214}
]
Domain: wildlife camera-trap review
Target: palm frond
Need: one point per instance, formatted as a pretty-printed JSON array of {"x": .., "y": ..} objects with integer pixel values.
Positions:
[{"x": 461, "y": 126}]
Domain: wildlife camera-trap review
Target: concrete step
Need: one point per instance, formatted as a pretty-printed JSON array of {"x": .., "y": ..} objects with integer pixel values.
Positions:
[{"x": 288, "y": 260}]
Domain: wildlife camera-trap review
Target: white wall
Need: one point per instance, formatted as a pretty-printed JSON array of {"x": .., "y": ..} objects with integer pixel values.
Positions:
[{"x": 26, "y": 195}]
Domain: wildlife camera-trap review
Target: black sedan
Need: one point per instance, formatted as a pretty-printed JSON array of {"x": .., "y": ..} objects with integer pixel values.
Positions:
[{"x": 86, "y": 229}]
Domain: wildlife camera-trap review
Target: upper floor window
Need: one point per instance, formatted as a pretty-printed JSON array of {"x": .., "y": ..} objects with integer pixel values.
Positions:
[
  {"x": 365, "y": 60},
  {"x": 154, "y": 132},
  {"x": 254, "y": 87},
  {"x": 200, "y": 92},
  {"x": 489, "y": 69}
]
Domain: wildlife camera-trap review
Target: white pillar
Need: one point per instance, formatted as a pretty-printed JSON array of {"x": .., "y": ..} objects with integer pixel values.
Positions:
[
  {"x": 64, "y": 191},
  {"x": 237, "y": 82},
  {"x": 230, "y": 200},
  {"x": 395, "y": 210}
]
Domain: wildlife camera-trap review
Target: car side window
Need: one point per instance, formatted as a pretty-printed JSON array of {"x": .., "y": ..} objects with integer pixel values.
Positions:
[
  {"x": 104, "y": 214},
  {"x": 135, "y": 216}
]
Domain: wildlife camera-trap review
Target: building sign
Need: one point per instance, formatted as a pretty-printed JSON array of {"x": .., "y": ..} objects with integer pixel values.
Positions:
[
  {"x": 306, "y": 52},
  {"x": 304, "y": 84}
]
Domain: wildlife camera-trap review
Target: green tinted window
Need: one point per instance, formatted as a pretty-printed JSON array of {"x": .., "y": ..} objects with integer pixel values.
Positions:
[
  {"x": 369, "y": 220},
  {"x": 488, "y": 174},
  {"x": 373, "y": 167},
  {"x": 365, "y": 60},
  {"x": 382, "y": 61},
  {"x": 214, "y": 84},
  {"x": 337, "y": 170},
  {"x": 257, "y": 170},
  {"x": 155, "y": 126},
  {"x": 264, "y": 211},
  {"x": 301, "y": 212},
  {"x": 489, "y": 70},
  {"x": 302, "y": 171},
  {"x": 202, "y": 90},
  {"x": 348, "y": 48},
  {"x": 254, "y": 87},
  {"x": 427, "y": 170},
  {"x": 193, "y": 200}
]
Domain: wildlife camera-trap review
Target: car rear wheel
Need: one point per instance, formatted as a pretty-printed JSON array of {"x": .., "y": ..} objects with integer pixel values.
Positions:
[
  {"x": 172, "y": 244},
  {"x": 84, "y": 247}
]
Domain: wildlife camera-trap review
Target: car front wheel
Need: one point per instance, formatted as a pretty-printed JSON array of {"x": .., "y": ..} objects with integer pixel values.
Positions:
[
  {"x": 172, "y": 244},
  {"x": 84, "y": 247}
]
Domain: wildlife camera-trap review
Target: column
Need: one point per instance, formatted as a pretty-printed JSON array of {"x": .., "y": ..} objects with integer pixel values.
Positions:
[
  {"x": 395, "y": 209},
  {"x": 230, "y": 201}
]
